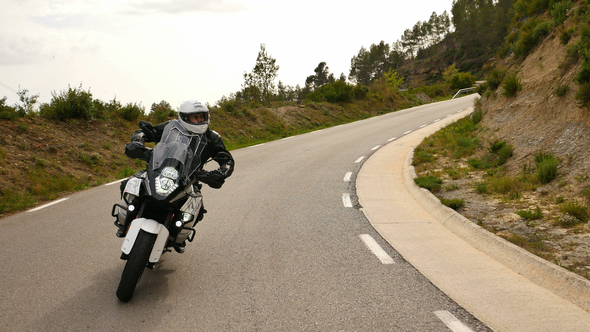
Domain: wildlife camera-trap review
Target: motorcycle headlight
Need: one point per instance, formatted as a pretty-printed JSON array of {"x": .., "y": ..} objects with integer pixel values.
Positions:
[{"x": 166, "y": 181}]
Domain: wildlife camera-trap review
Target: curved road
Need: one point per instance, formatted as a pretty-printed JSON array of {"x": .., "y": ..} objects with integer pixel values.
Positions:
[{"x": 281, "y": 249}]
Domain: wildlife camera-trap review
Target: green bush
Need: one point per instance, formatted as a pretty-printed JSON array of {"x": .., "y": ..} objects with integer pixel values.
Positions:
[
  {"x": 583, "y": 96},
  {"x": 360, "y": 91},
  {"x": 562, "y": 90},
  {"x": 530, "y": 215},
  {"x": 503, "y": 154},
  {"x": 546, "y": 167},
  {"x": 481, "y": 187},
  {"x": 559, "y": 11},
  {"x": 161, "y": 111},
  {"x": 8, "y": 112},
  {"x": 70, "y": 104},
  {"x": 477, "y": 116},
  {"x": 333, "y": 92},
  {"x": 531, "y": 33},
  {"x": 497, "y": 146},
  {"x": 495, "y": 78},
  {"x": 430, "y": 182},
  {"x": 422, "y": 156},
  {"x": 541, "y": 30},
  {"x": 454, "y": 203},
  {"x": 130, "y": 112},
  {"x": 575, "y": 209},
  {"x": 511, "y": 85},
  {"x": 566, "y": 35}
]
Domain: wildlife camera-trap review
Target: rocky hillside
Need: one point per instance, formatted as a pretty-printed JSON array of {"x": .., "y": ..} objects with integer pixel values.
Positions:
[{"x": 542, "y": 118}]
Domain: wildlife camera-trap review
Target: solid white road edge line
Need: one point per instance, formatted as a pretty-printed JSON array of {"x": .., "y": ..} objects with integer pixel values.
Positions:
[
  {"x": 376, "y": 249},
  {"x": 48, "y": 204},
  {"x": 254, "y": 146},
  {"x": 347, "y": 177},
  {"x": 359, "y": 160},
  {"x": 111, "y": 183},
  {"x": 451, "y": 321},
  {"x": 346, "y": 200}
]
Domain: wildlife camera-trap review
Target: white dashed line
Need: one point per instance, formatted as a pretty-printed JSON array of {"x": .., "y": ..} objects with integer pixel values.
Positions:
[
  {"x": 359, "y": 160},
  {"x": 47, "y": 205},
  {"x": 460, "y": 111},
  {"x": 375, "y": 148},
  {"x": 437, "y": 120},
  {"x": 376, "y": 249},
  {"x": 346, "y": 200},
  {"x": 347, "y": 177},
  {"x": 449, "y": 115},
  {"x": 422, "y": 126},
  {"x": 391, "y": 139},
  {"x": 451, "y": 321},
  {"x": 407, "y": 132}
]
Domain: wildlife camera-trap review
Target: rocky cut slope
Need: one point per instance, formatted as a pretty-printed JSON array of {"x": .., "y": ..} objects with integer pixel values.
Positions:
[{"x": 542, "y": 118}]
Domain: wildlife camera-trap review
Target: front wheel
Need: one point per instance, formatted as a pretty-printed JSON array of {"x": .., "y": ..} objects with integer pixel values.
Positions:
[{"x": 136, "y": 262}]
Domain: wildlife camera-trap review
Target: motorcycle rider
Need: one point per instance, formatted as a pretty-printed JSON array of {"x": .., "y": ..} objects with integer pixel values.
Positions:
[{"x": 194, "y": 117}]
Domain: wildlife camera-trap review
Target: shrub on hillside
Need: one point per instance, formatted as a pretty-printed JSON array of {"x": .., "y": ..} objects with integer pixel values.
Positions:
[
  {"x": 531, "y": 33},
  {"x": 511, "y": 85},
  {"x": 7, "y": 112},
  {"x": 69, "y": 104},
  {"x": 559, "y": 11},
  {"x": 333, "y": 92},
  {"x": 495, "y": 78},
  {"x": 547, "y": 165},
  {"x": 130, "y": 112},
  {"x": 456, "y": 79},
  {"x": 161, "y": 111}
]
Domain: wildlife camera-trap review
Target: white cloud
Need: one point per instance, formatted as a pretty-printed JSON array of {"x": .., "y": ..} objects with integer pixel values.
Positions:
[
  {"x": 149, "y": 50},
  {"x": 188, "y": 6}
]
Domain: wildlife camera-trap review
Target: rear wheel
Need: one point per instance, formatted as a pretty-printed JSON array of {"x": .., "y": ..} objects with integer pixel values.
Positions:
[{"x": 136, "y": 263}]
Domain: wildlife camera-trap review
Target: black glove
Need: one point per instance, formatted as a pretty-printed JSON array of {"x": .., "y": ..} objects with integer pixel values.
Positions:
[
  {"x": 225, "y": 170},
  {"x": 148, "y": 129},
  {"x": 213, "y": 179}
]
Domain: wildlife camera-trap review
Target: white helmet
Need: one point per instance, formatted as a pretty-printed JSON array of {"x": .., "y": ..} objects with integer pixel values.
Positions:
[{"x": 187, "y": 118}]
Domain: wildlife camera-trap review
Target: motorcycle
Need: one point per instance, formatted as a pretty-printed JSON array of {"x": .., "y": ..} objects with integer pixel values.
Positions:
[{"x": 161, "y": 205}]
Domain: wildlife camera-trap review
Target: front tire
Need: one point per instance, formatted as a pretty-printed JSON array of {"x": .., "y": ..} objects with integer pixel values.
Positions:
[{"x": 136, "y": 262}]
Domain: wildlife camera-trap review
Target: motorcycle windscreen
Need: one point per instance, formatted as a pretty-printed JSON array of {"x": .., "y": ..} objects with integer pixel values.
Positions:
[{"x": 175, "y": 145}]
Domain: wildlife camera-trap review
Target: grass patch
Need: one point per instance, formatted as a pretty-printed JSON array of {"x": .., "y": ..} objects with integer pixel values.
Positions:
[
  {"x": 547, "y": 165},
  {"x": 482, "y": 187},
  {"x": 454, "y": 203},
  {"x": 429, "y": 182},
  {"x": 576, "y": 210},
  {"x": 562, "y": 90},
  {"x": 511, "y": 85},
  {"x": 530, "y": 214}
]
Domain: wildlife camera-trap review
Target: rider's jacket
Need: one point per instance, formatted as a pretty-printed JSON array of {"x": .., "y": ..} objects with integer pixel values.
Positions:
[{"x": 211, "y": 146}]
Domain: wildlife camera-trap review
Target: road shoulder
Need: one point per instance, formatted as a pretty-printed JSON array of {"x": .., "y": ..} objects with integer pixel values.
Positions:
[{"x": 488, "y": 276}]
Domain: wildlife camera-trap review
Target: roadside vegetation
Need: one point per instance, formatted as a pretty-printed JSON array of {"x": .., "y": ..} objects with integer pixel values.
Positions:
[{"x": 465, "y": 163}]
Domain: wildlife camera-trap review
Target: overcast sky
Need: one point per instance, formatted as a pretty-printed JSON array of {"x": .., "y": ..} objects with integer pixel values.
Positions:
[{"x": 145, "y": 51}]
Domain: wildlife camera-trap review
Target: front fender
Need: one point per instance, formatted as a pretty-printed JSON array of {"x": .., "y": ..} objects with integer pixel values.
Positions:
[{"x": 150, "y": 226}]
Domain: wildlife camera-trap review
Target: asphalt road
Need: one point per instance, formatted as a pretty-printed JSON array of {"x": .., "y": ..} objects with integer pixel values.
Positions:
[{"x": 279, "y": 250}]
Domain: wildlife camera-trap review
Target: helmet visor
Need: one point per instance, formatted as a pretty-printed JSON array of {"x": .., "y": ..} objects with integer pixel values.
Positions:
[{"x": 199, "y": 118}]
